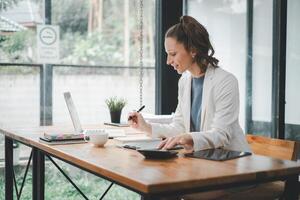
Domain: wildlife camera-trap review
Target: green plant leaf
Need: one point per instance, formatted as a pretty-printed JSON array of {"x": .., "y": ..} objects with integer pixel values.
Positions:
[{"x": 115, "y": 103}]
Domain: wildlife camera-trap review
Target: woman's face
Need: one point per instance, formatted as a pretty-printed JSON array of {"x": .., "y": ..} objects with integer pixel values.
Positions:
[{"x": 178, "y": 57}]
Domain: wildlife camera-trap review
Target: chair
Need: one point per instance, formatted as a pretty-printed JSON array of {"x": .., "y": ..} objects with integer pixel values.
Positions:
[{"x": 276, "y": 148}]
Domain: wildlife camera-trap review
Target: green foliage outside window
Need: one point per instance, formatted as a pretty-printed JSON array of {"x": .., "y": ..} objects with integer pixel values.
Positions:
[
  {"x": 96, "y": 49},
  {"x": 17, "y": 47},
  {"x": 81, "y": 41},
  {"x": 5, "y": 4},
  {"x": 70, "y": 16},
  {"x": 57, "y": 186}
]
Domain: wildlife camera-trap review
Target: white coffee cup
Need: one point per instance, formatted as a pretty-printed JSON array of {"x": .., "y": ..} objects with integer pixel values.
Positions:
[{"x": 98, "y": 138}]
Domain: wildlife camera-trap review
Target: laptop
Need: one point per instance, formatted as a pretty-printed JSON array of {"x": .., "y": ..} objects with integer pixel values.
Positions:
[{"x": 77, "y": 125}]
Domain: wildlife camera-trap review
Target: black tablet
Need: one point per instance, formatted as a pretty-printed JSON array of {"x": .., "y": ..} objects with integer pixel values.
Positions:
[{"x": 218, "y": 154}]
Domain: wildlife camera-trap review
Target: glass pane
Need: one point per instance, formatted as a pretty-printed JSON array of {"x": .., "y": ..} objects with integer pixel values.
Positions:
[
  {"x": 226, "y": 23},
  {"x": 2, "y": 179},
  {"x": 292, "y": 114},
  {"x": 19, "y": 85},
  {"x": 19, "y": 107},
  {"x": 262, "y": 67},
  {"x": 104, "y": 32},
  {"x": 20, "y": 96},
  {"x": 17, "y": 30},
  {"x": 91, "y": 86}
]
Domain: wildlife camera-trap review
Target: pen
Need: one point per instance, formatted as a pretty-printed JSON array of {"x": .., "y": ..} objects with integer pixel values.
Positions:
[{"x": 139, "y": 110}]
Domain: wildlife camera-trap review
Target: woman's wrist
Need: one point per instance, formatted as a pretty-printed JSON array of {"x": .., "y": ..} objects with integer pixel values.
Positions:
[{"x": 147, "y": 128}]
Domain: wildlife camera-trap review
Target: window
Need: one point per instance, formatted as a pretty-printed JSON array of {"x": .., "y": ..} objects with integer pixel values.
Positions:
[
  {"x": 226, "y": 23},
  {"x": 103, "y": 41},
  {"x": 292, "y": 114},
  {"x": 99, "y": 55},
  {"x": 99, "y": 58},
  {"x": 243, "y": 35}
]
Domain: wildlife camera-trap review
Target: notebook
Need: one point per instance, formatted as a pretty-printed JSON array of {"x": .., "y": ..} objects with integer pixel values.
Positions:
[
  {"x": 63, "y": 136},
  {"x": 136, "y": 138},
  {"x": 61, "y": 141},
  {"x": 77, "y": 125}
]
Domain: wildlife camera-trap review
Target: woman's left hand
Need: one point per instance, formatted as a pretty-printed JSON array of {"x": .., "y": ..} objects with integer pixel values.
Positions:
[{"x": 185, "y": 140}]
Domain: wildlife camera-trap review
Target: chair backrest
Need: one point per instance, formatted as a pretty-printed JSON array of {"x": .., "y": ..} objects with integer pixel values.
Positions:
[{"x": 276, "y": 148}]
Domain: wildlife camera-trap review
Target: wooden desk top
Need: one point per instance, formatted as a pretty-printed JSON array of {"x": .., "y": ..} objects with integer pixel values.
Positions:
[{"x": 129, "y": 168}]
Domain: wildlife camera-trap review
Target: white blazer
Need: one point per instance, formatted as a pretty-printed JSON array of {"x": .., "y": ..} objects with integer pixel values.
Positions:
[{"x": 219, "y": 116}]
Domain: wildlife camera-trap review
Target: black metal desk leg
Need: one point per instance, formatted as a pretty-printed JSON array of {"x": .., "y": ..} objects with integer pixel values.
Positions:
[
  {"x": 9, "y": 181},
  {"x": 291, "y": 190},
  {"x": 38, "y": 175}
]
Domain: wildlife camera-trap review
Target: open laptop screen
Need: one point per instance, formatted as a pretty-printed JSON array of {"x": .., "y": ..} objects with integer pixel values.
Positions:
[{"x": 73, "y": 112}]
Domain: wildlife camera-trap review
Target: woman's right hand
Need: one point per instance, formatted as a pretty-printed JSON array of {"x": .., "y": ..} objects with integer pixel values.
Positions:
[
  {"x": 186, "y": 140},
  {"x": 136, "y": 120}
]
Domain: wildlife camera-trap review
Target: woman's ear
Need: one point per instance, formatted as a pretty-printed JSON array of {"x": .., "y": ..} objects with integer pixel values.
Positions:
[{"x": 193, "y": 53}]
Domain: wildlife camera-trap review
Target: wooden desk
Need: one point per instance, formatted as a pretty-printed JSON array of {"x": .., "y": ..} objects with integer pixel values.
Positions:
[{"x": 150, "y": 178}]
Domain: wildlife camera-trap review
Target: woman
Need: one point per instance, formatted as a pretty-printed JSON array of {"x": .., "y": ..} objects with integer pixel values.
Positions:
[{"x": 208, "y": 97}]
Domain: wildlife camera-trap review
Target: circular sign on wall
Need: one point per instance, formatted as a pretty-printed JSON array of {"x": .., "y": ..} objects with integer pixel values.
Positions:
[{"x": 48, "y": 35}]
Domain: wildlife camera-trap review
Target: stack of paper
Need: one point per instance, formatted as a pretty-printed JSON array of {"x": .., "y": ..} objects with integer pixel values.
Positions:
[
  {"x": 113, "y": 133},
  {"x": 163, "y": 119},
  {"x": 62, "y": 138},
  {"x": 139, "y": 138},
  {"x": 138, "y": 142}
]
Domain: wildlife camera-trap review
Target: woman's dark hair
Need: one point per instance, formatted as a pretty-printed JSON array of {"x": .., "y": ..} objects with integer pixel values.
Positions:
[{"x": 194, "y": 37}]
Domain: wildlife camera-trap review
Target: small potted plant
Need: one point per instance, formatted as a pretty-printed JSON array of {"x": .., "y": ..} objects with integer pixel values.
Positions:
[{"x": 115, "y": 106}]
